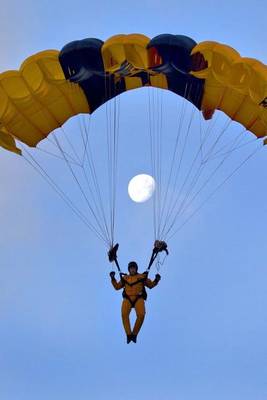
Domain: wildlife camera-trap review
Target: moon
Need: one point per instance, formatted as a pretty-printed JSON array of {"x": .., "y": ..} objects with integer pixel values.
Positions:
[{"x": 141, "y": 187}]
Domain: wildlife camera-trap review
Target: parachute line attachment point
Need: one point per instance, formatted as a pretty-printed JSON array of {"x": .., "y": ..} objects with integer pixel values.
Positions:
[{"x": 159, "y": 246}]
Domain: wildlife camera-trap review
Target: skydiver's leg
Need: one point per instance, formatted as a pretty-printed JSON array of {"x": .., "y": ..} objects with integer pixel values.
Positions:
[
  {"x": 125, "y": 314},
  {"x": 140, "y": 315}
]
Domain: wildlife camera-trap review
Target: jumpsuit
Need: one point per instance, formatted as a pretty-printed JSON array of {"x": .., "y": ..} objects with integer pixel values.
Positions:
[{"x": 134, "y": 297}]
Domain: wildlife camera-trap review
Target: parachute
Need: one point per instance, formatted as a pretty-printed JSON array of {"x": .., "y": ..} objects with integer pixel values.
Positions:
[{"x": 52, "y": 86}]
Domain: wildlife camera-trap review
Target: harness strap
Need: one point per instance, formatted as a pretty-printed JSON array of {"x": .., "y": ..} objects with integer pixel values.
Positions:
[
  {"x": 139, "y": 296},
  {"x": 142, "y": 295}
]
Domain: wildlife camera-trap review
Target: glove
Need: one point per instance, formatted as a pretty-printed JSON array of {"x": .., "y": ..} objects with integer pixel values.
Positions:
[
  {"x": 112, "y": 275},
  {"x": 157, "y": 277}
]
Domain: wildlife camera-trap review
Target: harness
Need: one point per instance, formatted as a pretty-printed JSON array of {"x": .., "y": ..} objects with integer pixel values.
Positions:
[{"x": 141, "y": 295}]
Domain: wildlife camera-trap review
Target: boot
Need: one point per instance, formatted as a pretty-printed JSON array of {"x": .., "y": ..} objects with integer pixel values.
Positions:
[
  {"x": 134, "y": 338},
  {"x": 129, "y": 338}
]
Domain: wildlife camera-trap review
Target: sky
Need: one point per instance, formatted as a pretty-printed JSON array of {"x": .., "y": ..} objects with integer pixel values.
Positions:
[{"x": 61, "y": 335}]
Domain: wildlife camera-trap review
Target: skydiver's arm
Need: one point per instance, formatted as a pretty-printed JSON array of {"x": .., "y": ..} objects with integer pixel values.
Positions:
[
  {"x": 151, "y": 284},
  {"x": 117, "y": 285}
]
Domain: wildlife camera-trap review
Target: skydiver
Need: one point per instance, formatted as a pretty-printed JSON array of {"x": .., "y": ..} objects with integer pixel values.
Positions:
[{"x": 134, "y": 293}]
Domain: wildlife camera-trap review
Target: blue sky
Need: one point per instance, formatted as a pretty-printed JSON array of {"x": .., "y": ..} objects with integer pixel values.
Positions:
[{"x": 60, "y": 330}]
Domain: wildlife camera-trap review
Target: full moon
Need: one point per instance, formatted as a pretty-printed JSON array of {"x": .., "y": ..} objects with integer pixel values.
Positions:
[{"x": 141, "y": 188}]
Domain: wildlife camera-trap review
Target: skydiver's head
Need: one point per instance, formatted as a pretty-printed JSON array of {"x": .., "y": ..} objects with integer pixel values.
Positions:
[{"x": 132, "y": 268}]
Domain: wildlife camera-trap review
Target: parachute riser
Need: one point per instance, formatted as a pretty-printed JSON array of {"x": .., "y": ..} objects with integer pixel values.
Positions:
[{"x": 159, "y": 246}]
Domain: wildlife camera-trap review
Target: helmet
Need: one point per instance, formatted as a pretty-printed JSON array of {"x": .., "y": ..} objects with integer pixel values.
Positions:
[{"x": 132, "y": 264}]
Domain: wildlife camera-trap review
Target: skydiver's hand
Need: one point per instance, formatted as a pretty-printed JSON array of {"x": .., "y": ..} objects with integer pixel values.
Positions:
[
  {"x": 112, "y": 275},
  {"x": 157, "y": 277}
]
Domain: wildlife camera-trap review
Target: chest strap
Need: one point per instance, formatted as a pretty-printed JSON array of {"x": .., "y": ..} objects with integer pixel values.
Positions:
[{"x": 142, "y": 280}]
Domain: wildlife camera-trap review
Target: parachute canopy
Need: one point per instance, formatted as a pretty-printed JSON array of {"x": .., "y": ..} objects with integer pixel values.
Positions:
[{"x": 52, "y": 86}]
